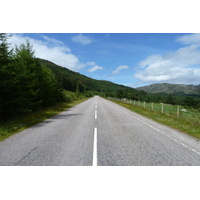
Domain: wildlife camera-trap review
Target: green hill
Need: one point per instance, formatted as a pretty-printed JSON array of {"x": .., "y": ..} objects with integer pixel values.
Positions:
[{"x": 74, "y": 81}]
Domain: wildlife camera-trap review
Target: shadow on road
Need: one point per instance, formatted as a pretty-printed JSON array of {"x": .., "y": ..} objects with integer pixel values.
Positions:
[
  {"x": 65, "y": 116},
  {"x": 59, "y": 116}
]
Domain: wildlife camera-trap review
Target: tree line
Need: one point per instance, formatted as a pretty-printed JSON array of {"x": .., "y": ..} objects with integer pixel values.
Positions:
[
  {"x": 188, "y": 101},
  {"x": 25, "y": 84}
]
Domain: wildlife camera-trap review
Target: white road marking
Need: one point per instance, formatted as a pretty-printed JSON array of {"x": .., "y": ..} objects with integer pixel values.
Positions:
[
  {"x": 183, "y": 144},
  {"x": 177, "y": 141},
  {"x": 94, "y": 163},
  {"x": 96, "y": 106},
  {"x": 95, "y": 114}
]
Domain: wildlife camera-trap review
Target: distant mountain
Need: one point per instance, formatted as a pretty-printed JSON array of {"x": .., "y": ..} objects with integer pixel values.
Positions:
[{"x": 167, "y": 88}]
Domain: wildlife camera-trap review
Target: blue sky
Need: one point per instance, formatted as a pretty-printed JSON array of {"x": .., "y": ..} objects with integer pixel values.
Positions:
[{"x": 131, "y": 59}]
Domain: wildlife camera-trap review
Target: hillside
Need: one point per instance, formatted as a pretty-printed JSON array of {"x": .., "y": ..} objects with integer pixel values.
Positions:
[
  {"x": 176, "y": 89},
  {"x": 72, "y": 81}
]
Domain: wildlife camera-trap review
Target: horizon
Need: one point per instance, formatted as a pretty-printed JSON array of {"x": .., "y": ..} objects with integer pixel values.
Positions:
[{"x": 130, "y": 59}]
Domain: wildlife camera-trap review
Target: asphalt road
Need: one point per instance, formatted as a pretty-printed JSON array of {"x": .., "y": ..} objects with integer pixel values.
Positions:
[{"x": 100, "y": 133}]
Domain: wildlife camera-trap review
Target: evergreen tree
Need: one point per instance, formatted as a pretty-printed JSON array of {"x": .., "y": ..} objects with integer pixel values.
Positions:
[
  {"x": 6, "y": 76},
  {"x": 26, "y": 75},
  {"x": 50, "y": 92},
  {"x": 41, "y": 88},
  {"x": 26, "y": 85},
  {"x": 5, "y": 53}
]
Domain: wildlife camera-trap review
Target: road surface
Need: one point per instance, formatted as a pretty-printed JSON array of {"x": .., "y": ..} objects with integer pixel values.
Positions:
[{"x": 98, "y": 132}]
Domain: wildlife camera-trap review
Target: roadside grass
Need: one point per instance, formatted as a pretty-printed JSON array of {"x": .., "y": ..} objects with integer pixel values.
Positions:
[
  {"x": 186, "y": 123},
  {"x": 17, "y": 124},
  {"x": 171, "y": 111}
]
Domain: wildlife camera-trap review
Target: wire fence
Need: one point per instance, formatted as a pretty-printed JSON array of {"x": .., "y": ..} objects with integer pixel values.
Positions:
[{"x": 176, "y": 111}]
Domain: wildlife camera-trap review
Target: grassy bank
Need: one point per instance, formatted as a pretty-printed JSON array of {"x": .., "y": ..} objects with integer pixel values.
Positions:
[
  {"x": 187, "y": 125},
  {"x": 17, "y": 124}
]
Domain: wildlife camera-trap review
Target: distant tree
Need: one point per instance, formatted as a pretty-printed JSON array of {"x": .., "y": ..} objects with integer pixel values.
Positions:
[
  {"x": 119, "y": 93},
  {"x": 189, "y": 101},
  {"x": 170, "y": 99}
]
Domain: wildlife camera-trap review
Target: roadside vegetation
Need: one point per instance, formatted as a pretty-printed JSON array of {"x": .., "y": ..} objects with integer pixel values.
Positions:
[
  {"x": 188, "y": 120},
  {"x": 19, "y": 123}
]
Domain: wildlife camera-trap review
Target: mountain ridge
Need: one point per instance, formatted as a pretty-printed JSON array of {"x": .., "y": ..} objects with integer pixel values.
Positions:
[{"x": 168, "y": 88}]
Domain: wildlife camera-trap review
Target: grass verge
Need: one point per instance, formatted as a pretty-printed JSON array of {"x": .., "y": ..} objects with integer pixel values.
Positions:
[
  {"x": 17, "y": 124},
  {"x": 185, "y": 125}
]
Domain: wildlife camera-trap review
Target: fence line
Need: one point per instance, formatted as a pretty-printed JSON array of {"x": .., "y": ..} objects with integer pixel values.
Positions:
[{"x": 166, "y": 109}]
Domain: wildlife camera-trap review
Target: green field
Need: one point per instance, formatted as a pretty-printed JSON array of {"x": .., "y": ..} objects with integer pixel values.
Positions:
[
  {"x": 187, "y": 120},
  {"x": 172, "y": 111}
]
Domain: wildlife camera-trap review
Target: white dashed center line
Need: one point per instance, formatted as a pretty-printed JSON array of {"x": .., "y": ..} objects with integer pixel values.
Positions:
[
  {"x": 95, "y": 148},
  {"x": 95, "y": 116}
]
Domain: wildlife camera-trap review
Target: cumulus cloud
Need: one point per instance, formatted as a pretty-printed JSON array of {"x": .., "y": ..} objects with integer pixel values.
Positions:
[
  {"x": 118, "y": 69},
  {"x": 189, "y": 39},
  {"x": 181, "y": 66},
  {"x": 82, "y": 39},
  {"x": 95, "y": 68},
  {"x": 149, "y": 60},
  {"x": 50, "y": 49}
]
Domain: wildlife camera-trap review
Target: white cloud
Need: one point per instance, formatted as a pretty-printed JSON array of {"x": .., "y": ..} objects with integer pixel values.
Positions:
[
  {"x": 52, "y": 40},
  {"x": 189, "y": 39},
  {"x": 181, "y": 66},
  {"x": 118, "y": 69},
  {"x": 91, "y": 63},
  {"x": 149, "y": 60},
  {"x": 95, "y": 68},
  {"x": 82, "y": 39},
  {"x": 53, "y": 50}
]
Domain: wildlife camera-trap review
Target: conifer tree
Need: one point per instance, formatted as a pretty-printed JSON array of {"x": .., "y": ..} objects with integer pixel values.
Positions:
[
  {"x": 26, "y": 85},
  {"x": 5, "y": 74},
  {"x": 5, "y": 53}
]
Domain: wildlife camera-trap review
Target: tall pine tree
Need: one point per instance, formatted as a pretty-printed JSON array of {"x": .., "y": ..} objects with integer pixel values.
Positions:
[
  {"x": 25, "y": 85},
  {"x": 6, "y": 75},
  {"x": 5, "y": 53}
]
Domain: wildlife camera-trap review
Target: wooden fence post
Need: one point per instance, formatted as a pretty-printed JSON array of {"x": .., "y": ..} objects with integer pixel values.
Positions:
[
  {"x": 162, "y": 110},
  {"x": 178, "y": 111},
  {"x": 152, "y": 106}
]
